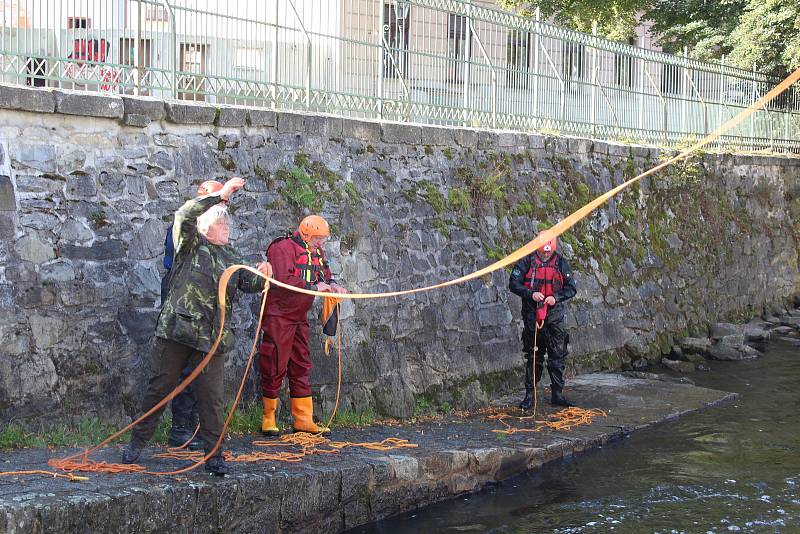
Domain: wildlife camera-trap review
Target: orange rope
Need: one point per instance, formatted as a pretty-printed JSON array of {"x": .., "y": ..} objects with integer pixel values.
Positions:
[
  {"x": 565, "y": 419},
  {"x": 81, "y": 461},
  {"x": 68, "y": 476}
]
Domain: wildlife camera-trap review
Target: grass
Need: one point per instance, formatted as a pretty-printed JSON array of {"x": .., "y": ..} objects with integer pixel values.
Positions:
[{"x": 86, "y": 431}]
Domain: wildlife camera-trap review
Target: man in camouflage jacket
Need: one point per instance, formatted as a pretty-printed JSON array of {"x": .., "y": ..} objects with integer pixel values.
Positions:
[{"x": 189, "y": 319}]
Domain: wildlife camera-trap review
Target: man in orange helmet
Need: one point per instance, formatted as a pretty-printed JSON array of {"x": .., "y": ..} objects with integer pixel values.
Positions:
[
  {"x": 184, "y": 405},
  {"x": 544, "y": 281},
  {"x": 298, "y": 260}
]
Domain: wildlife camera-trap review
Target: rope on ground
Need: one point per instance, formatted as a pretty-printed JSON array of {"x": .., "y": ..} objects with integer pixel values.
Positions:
[{"x": 565, "y": 419}]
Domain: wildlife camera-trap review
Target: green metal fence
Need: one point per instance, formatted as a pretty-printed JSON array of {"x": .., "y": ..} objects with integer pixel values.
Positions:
[{"x": 450, "y": 62}]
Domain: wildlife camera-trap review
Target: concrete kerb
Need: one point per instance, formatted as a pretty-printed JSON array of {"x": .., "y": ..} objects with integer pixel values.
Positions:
[
  {"x": 328, "y": 493},
  {"x": 88, "y": 104},
  {"x": 27, "y": 99}
]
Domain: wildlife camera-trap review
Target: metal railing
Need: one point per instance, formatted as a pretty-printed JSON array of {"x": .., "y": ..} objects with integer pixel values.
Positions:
[{"x": 449, "y": 62}]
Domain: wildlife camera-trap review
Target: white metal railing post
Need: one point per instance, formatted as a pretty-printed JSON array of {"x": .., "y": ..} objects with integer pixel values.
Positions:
[
  {"x": 309, "y": 56},
  {"x": 721, "y": 106},
  {"x": 467, "y": 56},
  {"x": 684, "y": 88},
  {"x": 593, "y": 102},
  {"x": 494, "y": 74},
  {"x": 382, "y": 51},
  {"x": 275, "y": 58},
  {"x": 786, "y": 115},
  {"x": 752, "y": 116},
  {"x": 137, "y": 69},
  {"x": 175, "y": 52},
  {"x": 642, "y": 66},
  {"x": 536, "y": 32}
]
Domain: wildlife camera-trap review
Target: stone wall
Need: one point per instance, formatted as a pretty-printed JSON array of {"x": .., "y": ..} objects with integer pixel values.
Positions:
[{"x": 88, "y": 185}]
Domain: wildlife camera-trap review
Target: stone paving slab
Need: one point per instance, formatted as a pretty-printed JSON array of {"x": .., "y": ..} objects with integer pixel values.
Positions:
[{"x": 331, "y": 492}]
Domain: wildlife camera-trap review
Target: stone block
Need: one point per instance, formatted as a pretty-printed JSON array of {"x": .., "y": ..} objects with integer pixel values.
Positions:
[
  {"x": 438, "y": 136},
  {"x": 137, "y": 121},
  {"x": 27, "y": 99},
  {"x": 105, "y": 250},
  {"x": 536, "y": 141},
  {"x": 59, "y": 271},
  {"x": 152, "y": 108},
  {"x": 466, "y": 138},
  {"x": 30, "y": 248},
  {"x": 362, "y": 130},
  {"x": 392, "y": 132},
  {"x": 507, "y": 139},
  {"x": 325, "y": 127},
  {"x": 231, "y": 116},
  {"x": 190, "y": 113},
  {"x": 88, "y": 104},
  {"x": 8, "y": 200},
  {"x": 290, "y": 122},
  {"x": 261, "y": 117},
  {"x": 487, "y": 139}
]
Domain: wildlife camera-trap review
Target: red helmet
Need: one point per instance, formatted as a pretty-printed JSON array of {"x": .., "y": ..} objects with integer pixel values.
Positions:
[
  {"x": 208, "y": 187},
  {"x": 313, "y": 226},
  {"x": 550, "y": 246}
]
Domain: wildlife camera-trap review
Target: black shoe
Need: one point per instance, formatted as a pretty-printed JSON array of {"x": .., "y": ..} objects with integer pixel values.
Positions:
[
  {"x": 217, "y": 466},
  {"x": 558, "y": 399},
  {"x": 179, "y": 435},
  {"x": 131, "y": 453},
  {"x": 527, "y": 402}
]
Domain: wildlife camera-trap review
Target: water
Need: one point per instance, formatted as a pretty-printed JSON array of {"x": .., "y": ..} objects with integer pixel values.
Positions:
[{"x": 734, "y": 468}]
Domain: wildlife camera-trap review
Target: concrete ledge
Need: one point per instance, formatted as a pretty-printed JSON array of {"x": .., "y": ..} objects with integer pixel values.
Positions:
[
  {"x": 27, "y": 99},
  {"x": 189, "y": 113},
  {"x": 260, "y": 117},
  {"x": 231, "y": 116},
  {"x": 394, "y": 132},
  {"x": 89, "y": 104},
  {"x": 152, "y": 108},
  {"x": 438, "y": 136},
  {"x": 334, "y": 492},
  {"x": 362, "y": 130}
]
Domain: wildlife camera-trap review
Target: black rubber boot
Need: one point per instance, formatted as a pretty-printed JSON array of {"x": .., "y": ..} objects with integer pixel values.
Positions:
[
  {"x": 217, "y": 466},
  {"x": 558, "y": 399},
  {"x": 131, "y": 453},
  {"x": 527, "y": 402},
  {"x": 179, "y": 435}
]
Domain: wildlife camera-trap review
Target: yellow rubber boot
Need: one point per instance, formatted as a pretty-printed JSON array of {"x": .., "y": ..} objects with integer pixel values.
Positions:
[
  {"x": 303, "y": 417},
  {"x": 268, "y": 425}
]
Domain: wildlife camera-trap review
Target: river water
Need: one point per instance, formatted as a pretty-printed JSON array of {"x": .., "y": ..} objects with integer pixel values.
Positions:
[{"x": 734, "y": 468}]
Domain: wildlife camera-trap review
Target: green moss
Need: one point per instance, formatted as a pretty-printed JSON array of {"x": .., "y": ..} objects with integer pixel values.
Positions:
[
  {"x": 380, "y": 171},
  {"x": 350, "y": 240},
  {"x": 448, "y": 153},
  {"x": 352, "y": 193},
  {"x": 524, "y": 208},
  {"x": 459, "y": 199},
  {"x": 428, "y": 150},
  {"x": 370, "y": 149},
  {"x": 627, "y": 211},
  {"x": 301, "y": 159},
  {"x": 442, "y": 226},
  {"x": 433, "y": 196},
  {"x": 227, "y": 162},
  {"x": 299, "y": 190},
  {"x": 221, "y": 144},
  {"x": 582, "y": 193}
]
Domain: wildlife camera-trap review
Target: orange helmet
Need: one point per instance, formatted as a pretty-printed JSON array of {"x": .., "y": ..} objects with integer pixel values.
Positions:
[
  {"x": 550, "y": 246},
  {"x": 313, "y": 226},
  {"x": 208, "y": 187}
]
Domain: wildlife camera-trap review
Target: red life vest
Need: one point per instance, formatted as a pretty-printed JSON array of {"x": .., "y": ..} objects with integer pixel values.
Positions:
[
  {"x": 545, "y": 278},
  {"x": 308, "y": 265}
]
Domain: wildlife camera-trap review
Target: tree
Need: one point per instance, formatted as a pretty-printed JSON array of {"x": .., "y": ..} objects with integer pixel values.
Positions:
[
  {"x": 768, "y": 37},
  {"x": 616, "y": 19},
  {"x": 702, "y": 26}
]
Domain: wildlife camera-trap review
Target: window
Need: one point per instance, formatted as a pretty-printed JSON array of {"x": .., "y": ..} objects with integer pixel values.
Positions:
[
  {"x": 518, "y": 58},
  {"x": 395, "y": 33},
  {"x": 623, "y": 67},
  {"x": 573, "y": 61},
  {"x": 670, "y": 79},
  {"x": 192, "y": 82},
  {"x": 457, "y": 31},
  {"x": 78, "y": 23},
  {"x": 249, "y": 58}
]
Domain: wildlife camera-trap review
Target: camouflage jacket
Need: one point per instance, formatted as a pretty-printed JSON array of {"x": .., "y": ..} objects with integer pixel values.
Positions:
[{"x": 190, "y": 314}]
